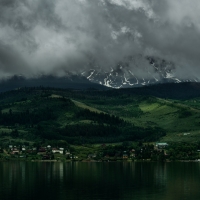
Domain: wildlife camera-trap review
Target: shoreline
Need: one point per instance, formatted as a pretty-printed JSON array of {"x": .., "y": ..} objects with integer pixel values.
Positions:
[{"x": 98, "y": 161}]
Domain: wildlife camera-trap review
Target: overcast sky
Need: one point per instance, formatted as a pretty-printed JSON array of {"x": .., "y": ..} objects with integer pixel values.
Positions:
[{"x": 56, "y": 36}]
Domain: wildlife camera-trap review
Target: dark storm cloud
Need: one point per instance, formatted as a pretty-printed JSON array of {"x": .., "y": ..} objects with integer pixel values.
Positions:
[
  {"x": 10, "y": 61},
  {"x": 56, "y": 36}
]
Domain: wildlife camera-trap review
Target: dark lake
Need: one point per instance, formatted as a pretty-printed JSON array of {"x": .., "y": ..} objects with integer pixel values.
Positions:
[{"x": 87, "y": 181}]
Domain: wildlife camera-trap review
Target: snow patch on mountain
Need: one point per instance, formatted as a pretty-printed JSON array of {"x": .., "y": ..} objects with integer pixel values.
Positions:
[{"x": 124, "y": 76}]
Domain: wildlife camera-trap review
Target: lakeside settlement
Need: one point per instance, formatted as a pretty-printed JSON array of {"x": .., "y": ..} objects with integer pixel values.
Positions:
[{"x": 126, "y": 151}]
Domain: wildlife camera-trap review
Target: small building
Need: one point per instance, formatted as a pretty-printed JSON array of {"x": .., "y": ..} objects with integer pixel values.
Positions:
[
  {"x": 132, "y": 153},
  {"x": 42, "y": 150},
  {"x": 125, "y": 155},
  {"x": 14, "y": 152},
  {"x": 23, "y": 148},
  {"x": 67, "y": 152},
  {"x": 92, "y": 156},
  {"x": 55, "y": 150},
  {"x": 161, "y": 145}
]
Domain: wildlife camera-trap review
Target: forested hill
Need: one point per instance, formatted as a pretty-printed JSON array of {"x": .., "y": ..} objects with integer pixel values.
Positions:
[
  {"x": 94, "y": 116},
  {"x": 42, "y": 114}
]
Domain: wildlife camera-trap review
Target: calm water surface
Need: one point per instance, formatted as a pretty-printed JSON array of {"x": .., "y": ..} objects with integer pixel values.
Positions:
[{"x": 87, "y": 181}]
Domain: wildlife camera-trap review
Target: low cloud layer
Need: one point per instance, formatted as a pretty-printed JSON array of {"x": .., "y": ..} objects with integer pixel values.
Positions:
[{"x": 60, "y": 36}]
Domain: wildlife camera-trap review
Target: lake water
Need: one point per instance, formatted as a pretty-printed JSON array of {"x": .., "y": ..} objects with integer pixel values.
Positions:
[{"x": 88, "y": 181}]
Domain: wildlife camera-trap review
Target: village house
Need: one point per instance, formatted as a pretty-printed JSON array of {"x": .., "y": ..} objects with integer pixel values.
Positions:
[
  {"x": 92, "y": 156},
  {"x": 23, "y": 148},
  {"x": 161, "y": 145},
  {"x": 13, "y": 150},
  {"x": 60, "y": 150},
  {"x": 132, "y": 153},
  {"x": 31, "y": 150},
  {"x": 42, "y": 150},
  {"x": 125, "y": 155}
]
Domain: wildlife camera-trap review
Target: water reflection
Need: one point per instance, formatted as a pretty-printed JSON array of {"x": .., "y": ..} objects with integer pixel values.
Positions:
[{"x": 126, "y": 180}]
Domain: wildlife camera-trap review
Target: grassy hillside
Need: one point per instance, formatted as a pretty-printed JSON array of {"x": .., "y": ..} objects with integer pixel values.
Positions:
[
  {"x": 176, "y": 117},
  {"x": 91, "y": 116}
]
